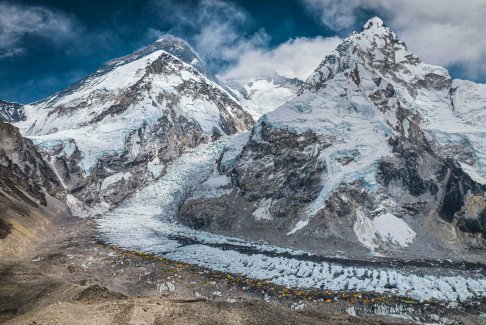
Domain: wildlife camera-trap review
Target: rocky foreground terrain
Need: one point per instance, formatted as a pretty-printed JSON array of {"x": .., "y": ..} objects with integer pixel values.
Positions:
[{"x": 73, "y": 278}]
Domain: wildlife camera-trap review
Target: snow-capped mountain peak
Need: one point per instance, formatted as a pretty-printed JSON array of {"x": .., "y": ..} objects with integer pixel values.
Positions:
[
  {"x": 180, "y": 49},
  {"x": 374, "y": 23},
  {"x": 375, "y": 137},
  {"x": 122, "y": 123},
  {"x": 378, "y": 50},
  {"x": 168, "y": 43}
]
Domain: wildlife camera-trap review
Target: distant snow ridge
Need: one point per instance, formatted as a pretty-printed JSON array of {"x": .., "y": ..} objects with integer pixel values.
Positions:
[
  {"x": 264, "y": 92},
  {"x": 146, "y": 221},
  {"x": 11, "y": 112}
]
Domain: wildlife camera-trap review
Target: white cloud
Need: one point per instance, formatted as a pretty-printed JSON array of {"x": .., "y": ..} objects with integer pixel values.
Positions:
[
  {"x": 443, "y": 32},
  {"x": 226, "y": 38},
  {"x": 18, "y": 21},
  {"x": 295, "y": 58},
  {"x": 218, "y": 30}
]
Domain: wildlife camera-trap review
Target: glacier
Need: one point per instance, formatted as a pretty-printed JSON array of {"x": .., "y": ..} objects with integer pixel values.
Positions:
[{"x": 146, "y": 221}]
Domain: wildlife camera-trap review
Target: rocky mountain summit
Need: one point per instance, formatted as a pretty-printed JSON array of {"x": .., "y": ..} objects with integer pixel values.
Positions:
[
  {"x": 116, "y": 129},
  {"x": 378, "y": 152}
]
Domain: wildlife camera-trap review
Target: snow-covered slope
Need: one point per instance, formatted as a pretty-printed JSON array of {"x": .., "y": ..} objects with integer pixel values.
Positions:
[
  {"x": 116, "y": 129},
  {"x": 376, "y": 141},
  {"x": 11, "y": 112},
  {"x": 265, "y": 92}
]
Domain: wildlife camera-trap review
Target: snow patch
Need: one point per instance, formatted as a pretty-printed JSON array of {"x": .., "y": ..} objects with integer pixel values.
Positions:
[
  {"x": 393, "y": 229},
  {"x": 76, "y": 206},
  {"x": 300, "y": 224},
  {"x": 233, "y": 149},
  {"x": 473, "y": 173},
  {"x": 115, "y": 178},
  {"x": 155, "y": 167},
  {"x": 78, "y": 209},
  {"x": 383, "y": 228},
  {"x": 365, "y": 231},
  {"x": 262, "y": 213}
]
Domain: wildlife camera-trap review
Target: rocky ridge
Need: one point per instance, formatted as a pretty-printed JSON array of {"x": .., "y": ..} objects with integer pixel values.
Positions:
[
  {"x": 25, "y": 175},
  {"x": 30, "y": 193}
]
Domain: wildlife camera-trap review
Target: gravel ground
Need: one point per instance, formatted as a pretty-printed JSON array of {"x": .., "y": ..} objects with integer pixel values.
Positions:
[{"x": 72, "y": 278}]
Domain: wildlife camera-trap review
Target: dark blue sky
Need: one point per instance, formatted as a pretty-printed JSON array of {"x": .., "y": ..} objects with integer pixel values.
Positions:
[
  {"x": 122, "y": 27},
  {"x": 96, "y": 31}
]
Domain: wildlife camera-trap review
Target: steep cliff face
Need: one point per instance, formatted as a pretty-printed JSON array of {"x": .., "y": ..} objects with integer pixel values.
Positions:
[
  {"x": 28, "y": 191},
  {"x": 118, "y": 128},
  {"x": 379, "y": 151},
  {"x": 25, "y": 176}
]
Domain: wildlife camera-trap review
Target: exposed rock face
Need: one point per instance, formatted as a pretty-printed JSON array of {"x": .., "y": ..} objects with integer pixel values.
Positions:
[
  {"x": 278, "y": 152},
  {"x": 267, "y": 178},
  {"x": 28, "y": 191},
  {"x": 378, "y": 151},
  {"x": 115, "y": 130},
  {"x": 11, "y": 112},
  {"x": 25, "y": 176}
]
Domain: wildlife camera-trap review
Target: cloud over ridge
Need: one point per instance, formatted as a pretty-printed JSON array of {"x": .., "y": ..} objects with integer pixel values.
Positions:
[
  {"x": 18, "y": 21},
  {"x": 228, "y": 40}
]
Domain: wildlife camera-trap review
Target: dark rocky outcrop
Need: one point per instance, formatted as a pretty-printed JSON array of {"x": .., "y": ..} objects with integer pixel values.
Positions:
[
  {"x": 278, "y": 152},
  {"x": 281, "y": 167},
  {"x": 29, "y": 190},
  {"x": 24, "y": 174}
]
